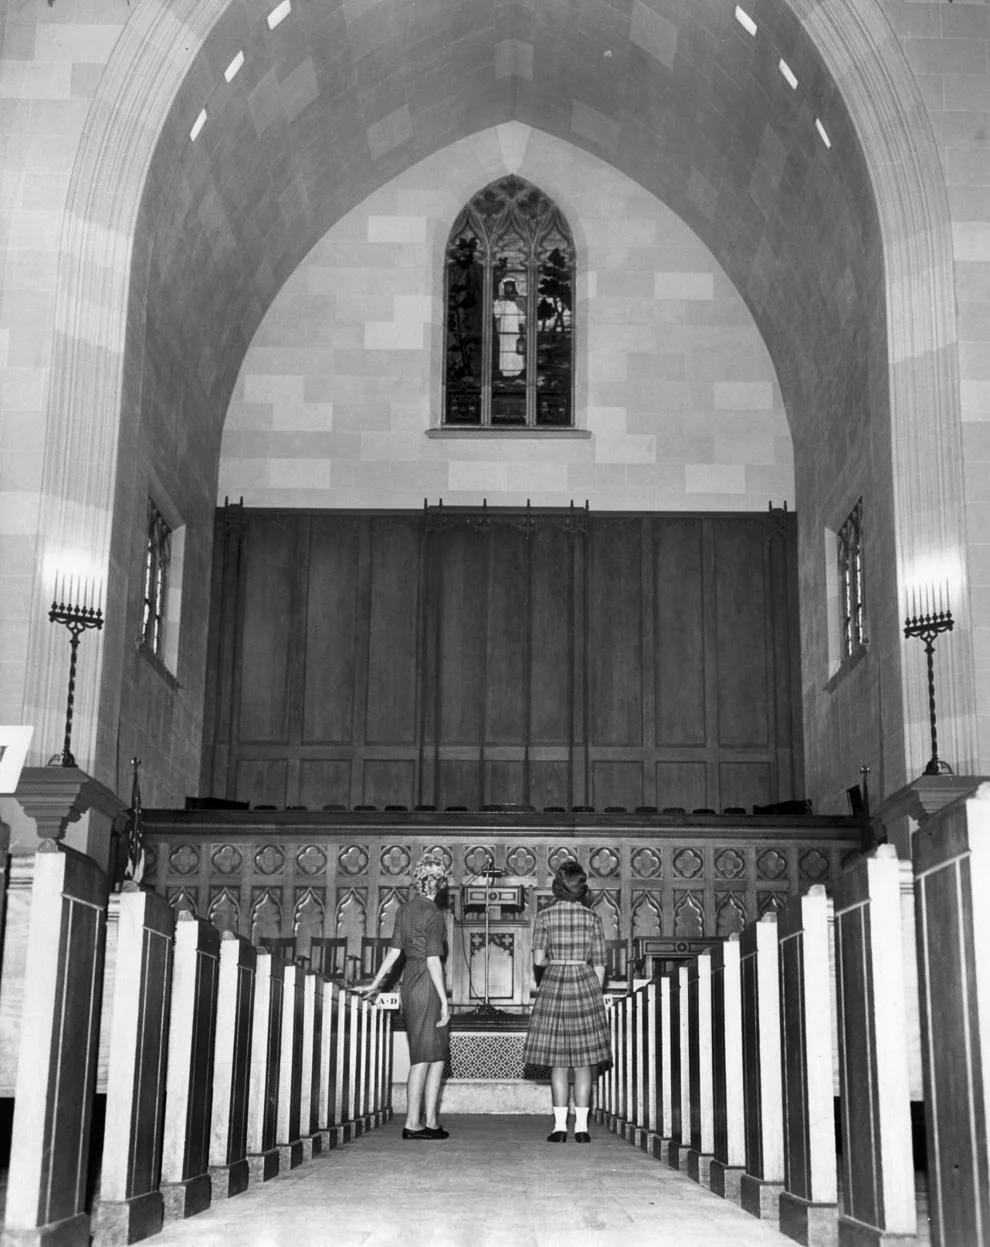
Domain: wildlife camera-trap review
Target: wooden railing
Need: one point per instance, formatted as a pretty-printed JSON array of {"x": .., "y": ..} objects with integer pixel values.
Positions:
[
  {"x": 729, "y": 1066},
  {"x": 221, "y": 1064},
  {"x": 658, "y": 881}
]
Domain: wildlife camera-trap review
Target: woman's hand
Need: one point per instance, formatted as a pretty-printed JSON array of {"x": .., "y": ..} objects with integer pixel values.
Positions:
[
  {"x": 370, "y": 989},
  {"x": 444, "y": 1015}
]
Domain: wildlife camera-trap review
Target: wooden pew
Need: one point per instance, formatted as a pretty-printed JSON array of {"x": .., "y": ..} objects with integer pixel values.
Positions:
[
  {"x": 136, "y": 1024},
  {"x": 878, "y": 1199},
  {"x": 185, "y": 1185},
  {"x": 808, "y": 1205},
  {"x": 229, "y": 1169},
  {"x": 951, "y": 855},
  {"x": 57, "y": 1053},
  {"x": 729, "y": 1136},
  {"x": 762, "y": 1181}
]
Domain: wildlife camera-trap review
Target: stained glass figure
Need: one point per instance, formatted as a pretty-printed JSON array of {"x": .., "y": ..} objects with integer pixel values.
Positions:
[{"x": 511, "y": 251}]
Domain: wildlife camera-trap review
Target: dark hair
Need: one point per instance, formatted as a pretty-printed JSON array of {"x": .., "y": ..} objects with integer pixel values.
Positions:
[{"x": 570, "y": 883}]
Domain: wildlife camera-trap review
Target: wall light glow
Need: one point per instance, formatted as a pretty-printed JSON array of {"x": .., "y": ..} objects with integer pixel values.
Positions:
[
  {"x": 788, "y": 74},
  {"x": 231, "y": 71},
  {"x": 745, "y": 21},
  {"x": 279, "y": 14}
]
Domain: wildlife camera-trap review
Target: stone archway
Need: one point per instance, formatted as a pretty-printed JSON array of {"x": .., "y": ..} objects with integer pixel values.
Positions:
[{"x": 98, "y": 375}]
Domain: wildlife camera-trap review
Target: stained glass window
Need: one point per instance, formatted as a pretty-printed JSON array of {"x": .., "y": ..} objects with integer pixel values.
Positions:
[{"x": 510, "y": 311}]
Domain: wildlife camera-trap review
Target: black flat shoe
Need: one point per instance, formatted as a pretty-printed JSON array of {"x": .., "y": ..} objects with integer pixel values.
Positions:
[
  {"x": 557, "y": 1136},
  {"x": 435, "y": 1132},
  {"x": 582, "y": 1137},
  {"x": 415, "y": 1134}
]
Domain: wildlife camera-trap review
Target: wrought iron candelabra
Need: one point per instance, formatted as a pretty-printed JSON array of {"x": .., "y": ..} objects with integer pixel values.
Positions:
[
  {"x": 927, "y": 626},
  {"x": 77, "y": 617}
]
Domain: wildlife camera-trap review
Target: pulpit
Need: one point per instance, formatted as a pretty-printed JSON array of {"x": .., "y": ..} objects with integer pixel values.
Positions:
[{"x": 490, "y": 951}]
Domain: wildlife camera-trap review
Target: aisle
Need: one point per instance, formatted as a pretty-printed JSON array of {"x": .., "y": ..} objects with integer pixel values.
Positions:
[{"x": 495, "y": 1182}]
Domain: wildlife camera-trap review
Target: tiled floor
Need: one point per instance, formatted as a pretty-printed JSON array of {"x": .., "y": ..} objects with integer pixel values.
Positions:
[{"x": 495, "y": 1182}]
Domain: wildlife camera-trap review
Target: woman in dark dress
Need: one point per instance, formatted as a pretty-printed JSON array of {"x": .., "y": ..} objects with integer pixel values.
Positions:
[
  {"x": 567, "y": 1028},
  {"x": 419, "y": 934}
]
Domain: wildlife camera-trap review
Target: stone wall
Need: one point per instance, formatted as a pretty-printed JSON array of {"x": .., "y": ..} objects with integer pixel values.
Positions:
[{"x": 343, "y": 379}]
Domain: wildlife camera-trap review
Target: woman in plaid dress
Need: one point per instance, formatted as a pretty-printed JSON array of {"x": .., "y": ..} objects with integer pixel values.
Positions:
[{"x": 567, "y": 1028}]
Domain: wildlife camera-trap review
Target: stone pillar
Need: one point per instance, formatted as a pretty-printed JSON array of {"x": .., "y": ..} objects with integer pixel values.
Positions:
[
  {"x": 59, "y": 1035},
  {"x": 266, "y": 1050},
  {"x": 191, "y": 1035},
  {"x": 729, "y": 1160},
  {"x": 761, "y": 1184},
  {"x": 808, "y": 1207},
  {"x": 131, "y": 1205},
  {"x": 952, "y": 873},
  {"x": 878, "y": 1201},
  {"x": 701, "y": 1151},
  {"x": 229, "y": 1170}
]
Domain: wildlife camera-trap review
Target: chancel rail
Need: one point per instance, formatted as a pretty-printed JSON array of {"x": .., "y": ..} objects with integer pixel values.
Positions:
[{"x": 325, "y": 886}]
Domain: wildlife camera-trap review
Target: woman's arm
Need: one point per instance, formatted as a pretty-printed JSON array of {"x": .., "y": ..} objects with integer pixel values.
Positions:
[
  {"x": 436, "y": 974},
  {"x": 600, "y": 971},
  {"x": 539, "y": 957},
  {"x": 391, "y": 957}
]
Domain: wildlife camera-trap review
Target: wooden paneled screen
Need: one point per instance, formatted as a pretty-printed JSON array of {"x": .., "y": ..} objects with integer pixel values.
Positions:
[{"x": 462, "y": 658}]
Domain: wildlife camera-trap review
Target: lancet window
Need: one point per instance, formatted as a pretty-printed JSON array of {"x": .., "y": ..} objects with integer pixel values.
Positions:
[{"x": 509, "y": 288}]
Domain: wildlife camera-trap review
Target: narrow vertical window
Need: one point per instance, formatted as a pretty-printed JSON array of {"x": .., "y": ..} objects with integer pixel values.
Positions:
[
  {"x": 850, "y": 551},
  {"x": 509, "y": 285},
  {"x": 157, "y": 557}
]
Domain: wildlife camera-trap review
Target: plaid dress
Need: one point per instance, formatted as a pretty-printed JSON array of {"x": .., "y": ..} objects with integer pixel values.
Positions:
[{"x": 567, "y": 1026}]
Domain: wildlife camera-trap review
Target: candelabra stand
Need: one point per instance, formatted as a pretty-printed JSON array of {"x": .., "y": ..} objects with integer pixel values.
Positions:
[
  {"x": 927, "y": 628},
  {"x": 77, "y": 619}
]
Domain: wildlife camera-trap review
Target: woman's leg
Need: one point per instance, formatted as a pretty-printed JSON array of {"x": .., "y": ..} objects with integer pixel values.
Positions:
[
  {"x": 582, "y": 1102},
  {"x": 431, "y": 1094},
  {"x": 414, "y": 1095},
  {"x": 582, "y": 1086},
  {"x": 560, "y": 1091}
]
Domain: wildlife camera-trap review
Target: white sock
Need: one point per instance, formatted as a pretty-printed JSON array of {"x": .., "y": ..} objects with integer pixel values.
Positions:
[
  {"x": 580, "y": 1120},
  {"x": 560, "y": 1118}
]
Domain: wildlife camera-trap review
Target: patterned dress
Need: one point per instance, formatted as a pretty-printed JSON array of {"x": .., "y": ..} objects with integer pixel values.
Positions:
[
  {"x": 420, "y": 932},
  {"x": 567, "y": 1026}
]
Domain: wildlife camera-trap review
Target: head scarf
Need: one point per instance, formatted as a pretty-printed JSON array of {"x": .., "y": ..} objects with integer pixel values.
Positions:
[
  {"x": 429, "y": 874},
  {"x": 570, "y": 883}
]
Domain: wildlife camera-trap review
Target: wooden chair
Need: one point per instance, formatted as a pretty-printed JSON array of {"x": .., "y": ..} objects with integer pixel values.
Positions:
[
  {"x": 616, "y": 965},
  {"x": 329, "y": 956},
  {"x": 283, "y": 945},
  {"x": 373, "y": 950}
]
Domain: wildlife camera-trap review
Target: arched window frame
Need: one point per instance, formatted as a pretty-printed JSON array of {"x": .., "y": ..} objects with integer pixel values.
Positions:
[{"x": 509, "y": 232}]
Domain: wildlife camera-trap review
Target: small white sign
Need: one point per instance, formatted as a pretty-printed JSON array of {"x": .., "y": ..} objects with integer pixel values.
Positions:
[
  {"x": 387, "y": 1000},
  {"x": 14, "y": 743}
]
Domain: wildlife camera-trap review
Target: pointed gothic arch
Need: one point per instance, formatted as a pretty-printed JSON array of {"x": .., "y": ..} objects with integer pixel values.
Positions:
[{"x": 161, "y": 66}]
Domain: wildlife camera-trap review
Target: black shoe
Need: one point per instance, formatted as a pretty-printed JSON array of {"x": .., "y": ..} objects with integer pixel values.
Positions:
[
  {"x": 557, "y": 1136},
  {"x": 435, "y": 1132},
  {"x": 415, "y": 1134},
  {"x": 582, "y": 1137}
]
